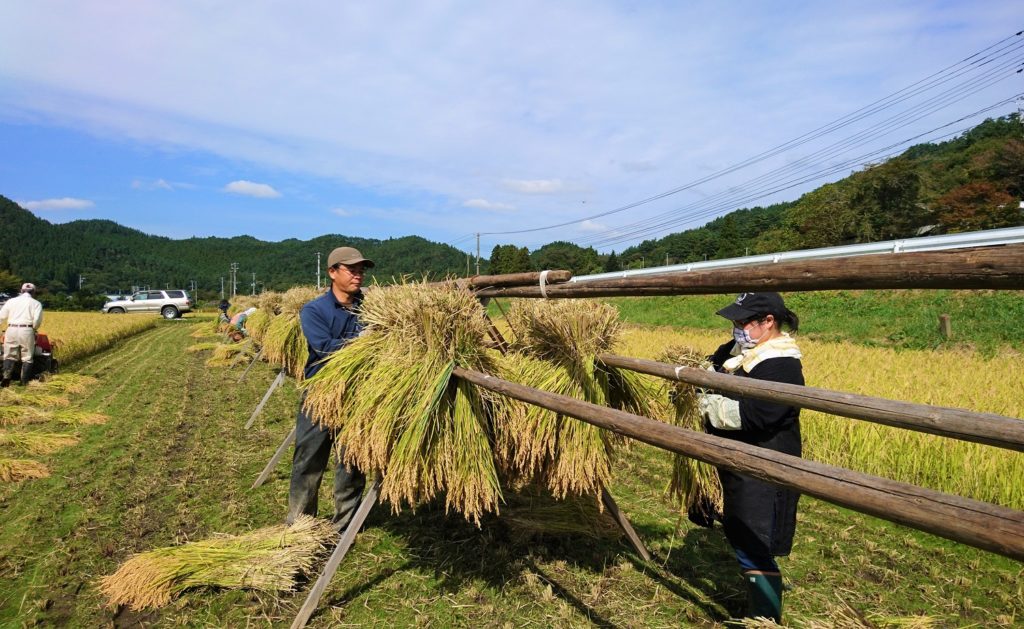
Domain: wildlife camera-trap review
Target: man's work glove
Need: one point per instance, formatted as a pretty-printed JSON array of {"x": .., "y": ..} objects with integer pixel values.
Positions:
[{"x": 721, "y": 412}]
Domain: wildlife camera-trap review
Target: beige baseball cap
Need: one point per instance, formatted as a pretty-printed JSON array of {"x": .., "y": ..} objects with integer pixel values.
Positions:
[{"x": 348, "y": 255}]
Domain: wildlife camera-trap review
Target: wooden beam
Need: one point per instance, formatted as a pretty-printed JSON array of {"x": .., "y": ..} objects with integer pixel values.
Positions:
[
  {"x": 513, "y": 279},
  {"x": 266, "y": 396},
  {"x": 956, "y": 423},
  {"x": 627, "y": 527},
  {"x": 997, "y": 267},
  {"x": 274, "y": 460},
  {"x": 986, "y": 526}
]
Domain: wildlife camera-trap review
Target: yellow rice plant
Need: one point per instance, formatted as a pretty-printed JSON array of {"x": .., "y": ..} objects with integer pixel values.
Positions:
[
  {"x": 19, "y": 415},
  {"x": 694, "y": 484},
  {"x": 75, "y": 335},
  {"x": 955, "y": 379},
  {"x": 397, "y": 411},
  {"x": 227, "y": 354},
  {"x": 31, "y": 396},
  {"x": 36, "y": 442},
  {"x": 555, "y": 349},
  {"x": 17, "y": 470},
  {"x": 11, "y": 415},
  {"x": 531, "y": 511},
  {"x": 266, "y": 559},
  {"x": 64, "y": 383},
  {"x": 283, "y": 341},
  {"x": 76, "y": 417},
  {"x": 202, "y": 347}
]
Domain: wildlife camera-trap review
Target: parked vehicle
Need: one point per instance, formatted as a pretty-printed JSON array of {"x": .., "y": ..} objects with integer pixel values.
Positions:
[{"x": 171, "y": 304}]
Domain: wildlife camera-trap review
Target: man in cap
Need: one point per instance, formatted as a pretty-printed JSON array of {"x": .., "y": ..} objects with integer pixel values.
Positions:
[
  {"x": 328, "y": 323},
  {"x": 24, "y": 315}
]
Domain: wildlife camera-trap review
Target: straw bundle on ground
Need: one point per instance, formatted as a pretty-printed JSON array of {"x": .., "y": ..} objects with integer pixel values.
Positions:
[
  {"x": 36, "y": 442},
  {"x": 10, "y": 415},
  {"x": 267, "y": 559},
  {"x": 397, "y": 410},
  {"x": 555, "y": 349},
  {"x": 17, "y": 470},
  {"x": 17, "y": 415},
  {"x": 201, "y": 347},
  {"x": 531, "y": 511},
  {"x": 694, "y": 484},
  {"x": 283, "y": 342},
  {"x": 64, "y": 383},
  {"x": 79, "y": 417},
  {"x": 227, "y": 354},
  {"x": 31, "y": 396}
]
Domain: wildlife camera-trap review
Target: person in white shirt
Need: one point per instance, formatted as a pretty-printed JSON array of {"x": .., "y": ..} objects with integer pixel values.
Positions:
[{"x": 23, "y": 315}]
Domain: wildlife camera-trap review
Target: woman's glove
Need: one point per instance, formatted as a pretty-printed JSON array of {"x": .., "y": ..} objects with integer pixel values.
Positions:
[{"x": 721, "y": 412}]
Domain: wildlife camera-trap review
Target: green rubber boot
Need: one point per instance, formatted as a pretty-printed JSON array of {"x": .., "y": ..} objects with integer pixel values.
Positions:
[
  {"x": 764, "y": 595},
  {"x": 8, "y": 371}
]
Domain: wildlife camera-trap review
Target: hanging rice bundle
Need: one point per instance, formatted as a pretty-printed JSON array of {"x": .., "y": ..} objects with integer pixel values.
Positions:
[
  {"x": 267, "y": 559},
  {"x": 36, "y": 442},
  {"x": 17, "y": 470},
  {"x": 397, "y": 411},
  {"x": 694, "y": 484},
  {"x": 283, "y": 342},
  {"x": 555, "y": 349},
  {"x": 268, "y": 306},
  {"x": 227, "y": 354},
  {"x": 64, "y": 383}
]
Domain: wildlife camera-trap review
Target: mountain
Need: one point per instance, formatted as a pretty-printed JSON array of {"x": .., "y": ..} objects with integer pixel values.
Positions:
[{"x": 112, "y": 257}]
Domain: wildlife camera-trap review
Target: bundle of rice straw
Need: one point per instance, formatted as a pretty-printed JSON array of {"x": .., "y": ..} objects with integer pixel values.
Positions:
[
  {"x": 227, "y": 354},
  {"x": 17, "y": 470},
  {"x": 20, "y": 415},
  {"x": 283, "y": 341},
  {"x": 64, "y": 383},
  {"x": 397, "y": 411},
  {"x": 695, "y": 485},
  {"x": 268, "y": 306},
  {"x": 78, "y": 417},
  {"x": 267, "y": 559},
  {"x": 31, "y": 396},
  {"x": 555, "y": 349},
  {"x": 37, "y": 442},
  {"x": 532, "y": 511}
]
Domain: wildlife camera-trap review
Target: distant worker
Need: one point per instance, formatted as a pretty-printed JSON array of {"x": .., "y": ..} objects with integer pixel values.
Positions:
[
  {"x": 759, "y": 517},
  {"x": 329, "y": 322},
  {"x": 223, "y": 307},
  {"x": 23, "y": 315},
  {"x": 238, "y": 324}
]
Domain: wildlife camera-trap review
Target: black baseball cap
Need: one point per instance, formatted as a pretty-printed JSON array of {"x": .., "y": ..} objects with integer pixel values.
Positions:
[{"x": 750, "y": 305}]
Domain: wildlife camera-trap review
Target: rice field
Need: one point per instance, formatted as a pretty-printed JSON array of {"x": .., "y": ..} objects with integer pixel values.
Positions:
[
  {"x": 955, "y": 379},
  {"x": 78, "y": 334}
]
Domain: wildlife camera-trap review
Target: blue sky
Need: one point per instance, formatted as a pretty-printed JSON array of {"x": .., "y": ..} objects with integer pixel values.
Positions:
[{"x": 291, "y": 120}]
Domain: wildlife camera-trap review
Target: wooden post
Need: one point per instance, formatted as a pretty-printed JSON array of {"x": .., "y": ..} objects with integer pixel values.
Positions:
[
  {"x": 274, "y": 460},
  {"x": 313, "y": 598},
  {"x": 945, "y": 329},
  {"x": 997, "y": 267},
  {"x": 273, "y": 385},
  {"x": 987, "y": 428},
  {"x": 986, "y": 526},
  {"x": 624, "y": 524},
  {"x": 255, "y": 359}
]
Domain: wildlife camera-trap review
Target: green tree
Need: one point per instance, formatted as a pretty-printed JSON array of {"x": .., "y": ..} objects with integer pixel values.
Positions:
[{"x": 611, "y": 264}]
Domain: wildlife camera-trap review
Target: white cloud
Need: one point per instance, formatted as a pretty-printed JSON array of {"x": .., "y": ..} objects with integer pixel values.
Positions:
[
  {"x": 159, "y": 184},
  {"x": 534, "y": 186},
  {"x": 64, "y": 203},
  {"x": 252, "y": 189},
  {"x": 592, "y": 226},
  {"x": 490, "y": 206},
  {"x": 338, "y": 211}
]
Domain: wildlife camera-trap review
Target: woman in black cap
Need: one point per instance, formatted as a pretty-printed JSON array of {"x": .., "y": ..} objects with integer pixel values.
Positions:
[{"x": 759, "y": 518}]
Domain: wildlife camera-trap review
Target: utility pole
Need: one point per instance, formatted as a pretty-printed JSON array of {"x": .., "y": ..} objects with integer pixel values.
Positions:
[
  {"x": 478, "y": 253},
  {"x": 81, "y": 278},
  {"x": 318, "y": 270},
  {"x": 467, "y": 265},
  {"x": 234, "y": 279},
  {"x": 253, "y": 284},
  {"x": 222, "y": 287}
]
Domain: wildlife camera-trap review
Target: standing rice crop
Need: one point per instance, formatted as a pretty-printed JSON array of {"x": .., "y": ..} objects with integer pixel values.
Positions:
[
  {"x": 283, "y": 341},
  {"x": 267, "y": 559},
  {"x": 397, "y": 411},
  {"x": 555, "y": 349},
  {"x": 17, "y": 470},
  {"x": 694, "y": 484}
]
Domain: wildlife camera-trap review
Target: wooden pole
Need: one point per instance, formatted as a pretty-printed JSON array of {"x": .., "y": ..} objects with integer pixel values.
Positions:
[
  {"x": 956, "y": 423},
  {"x": 624, "y": 524},
  {"x": 945, "y": 329},
  {"x": 313, "y": 598},
  {"x": 259, "y": 407},
  {"x": 255, "y": 359},
  {"x": 274, "y": 460},
  {"x": 997, "y": 267},
  {"x": 989, "y": 527},
  {"x": 513, "y": 279}
]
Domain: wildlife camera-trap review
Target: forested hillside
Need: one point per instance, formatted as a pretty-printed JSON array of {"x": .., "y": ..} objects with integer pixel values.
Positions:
[
  {"x": 112, "y": 257},
  {"x": 975, "y": 181}
]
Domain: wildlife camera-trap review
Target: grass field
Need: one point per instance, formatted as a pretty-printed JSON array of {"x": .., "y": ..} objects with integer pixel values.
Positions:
[{"x": 173, "y": 464}]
